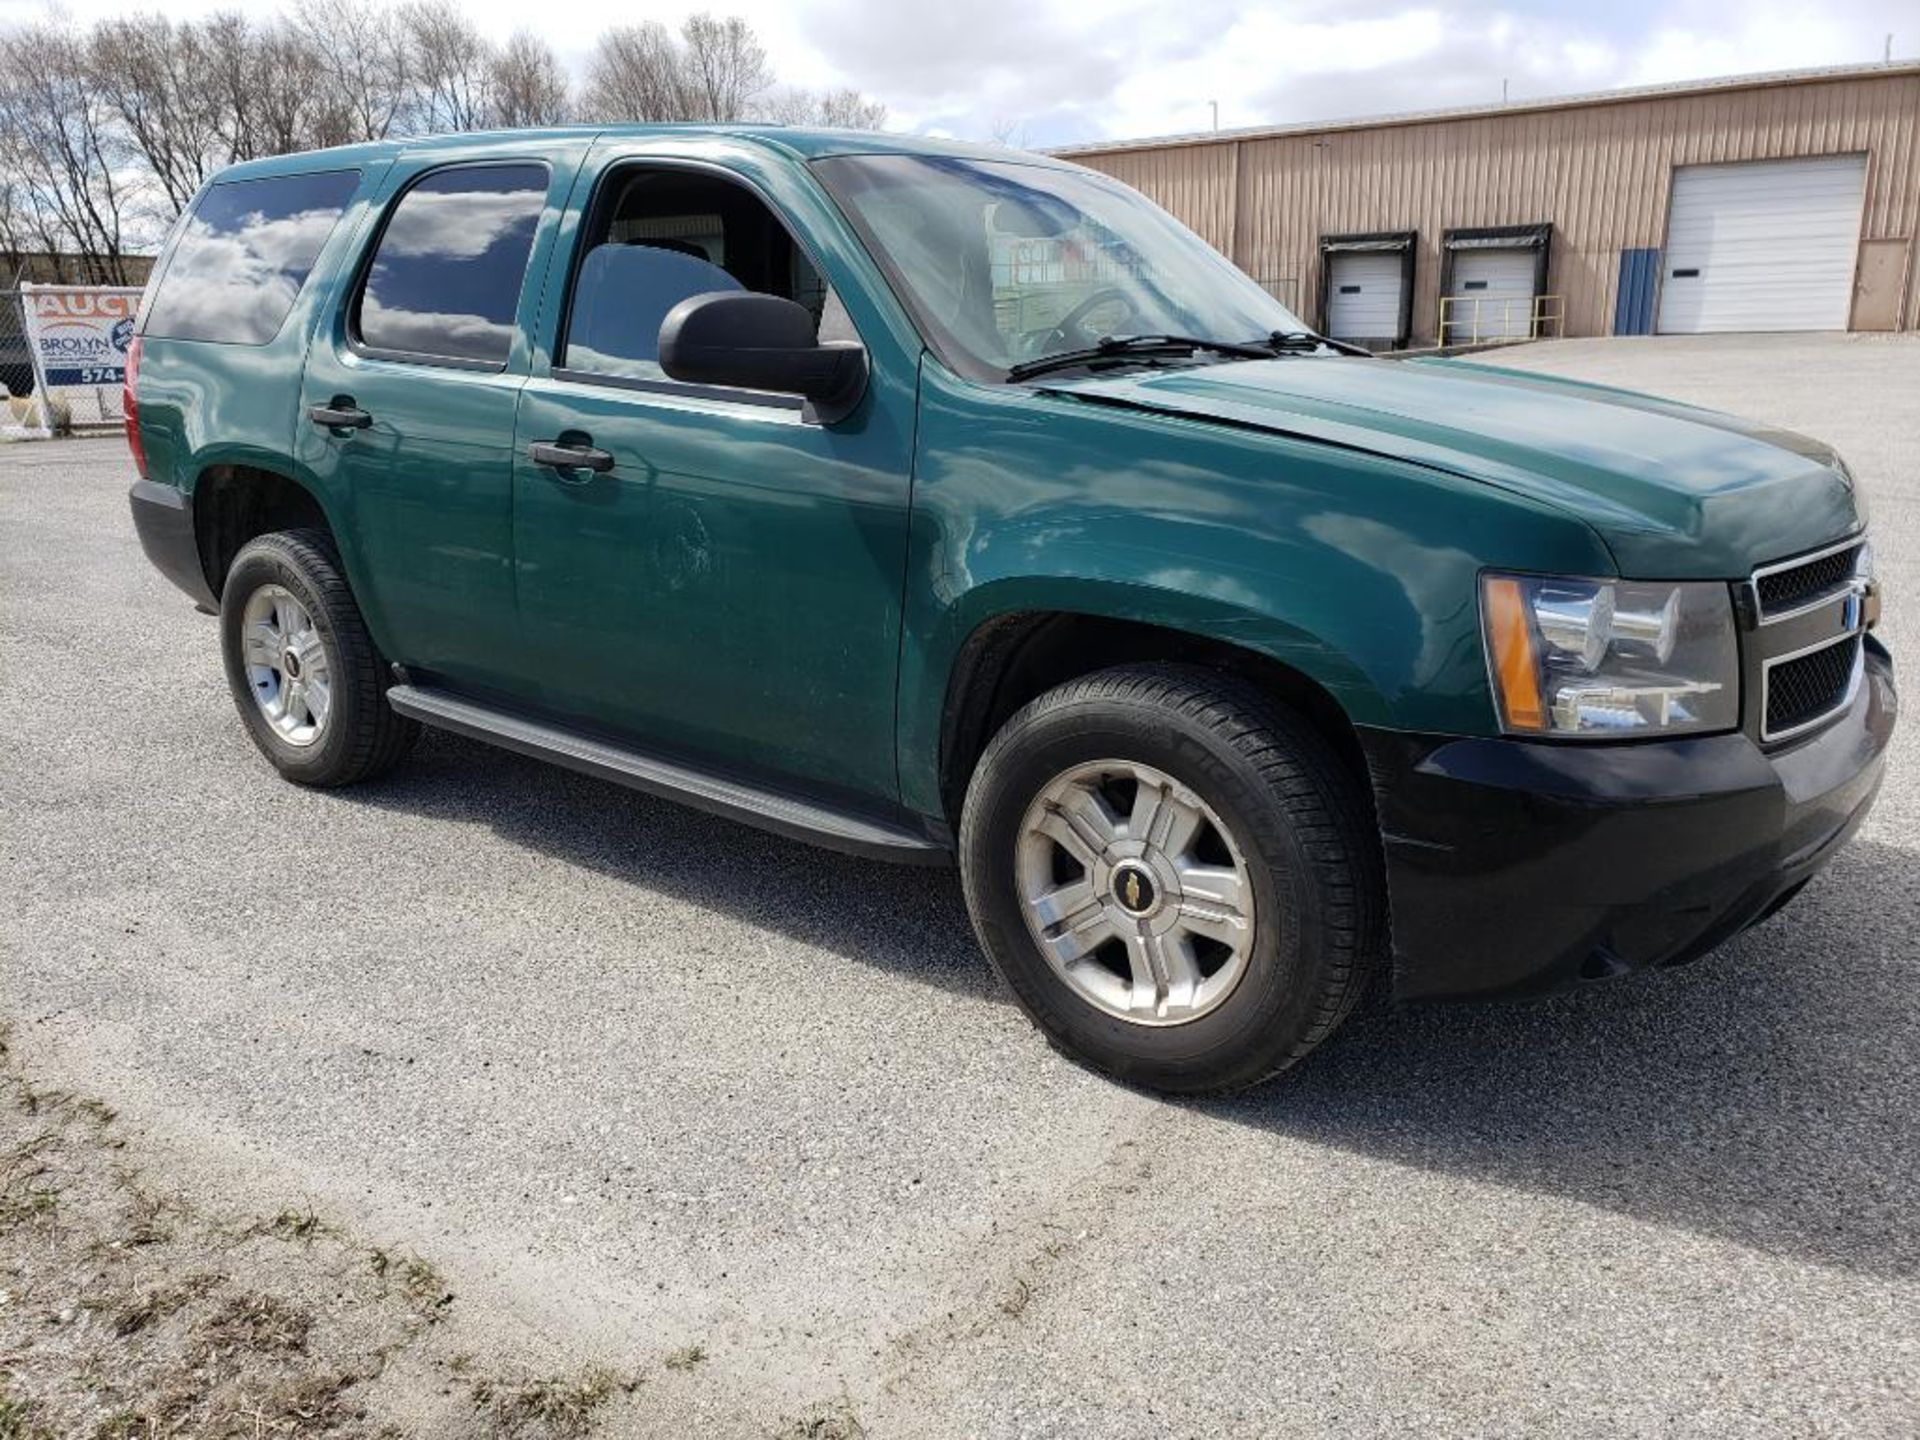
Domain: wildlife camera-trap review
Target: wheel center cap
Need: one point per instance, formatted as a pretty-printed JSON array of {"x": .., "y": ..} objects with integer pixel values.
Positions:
[
  {"x": 290, "y": 662},
  {"x": 1134, "y": 889}
]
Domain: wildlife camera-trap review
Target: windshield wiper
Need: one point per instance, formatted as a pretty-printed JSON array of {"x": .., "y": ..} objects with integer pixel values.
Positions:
[
  {"x": 1305, "y": 342},
  {"x": 1122, "y": 347}
]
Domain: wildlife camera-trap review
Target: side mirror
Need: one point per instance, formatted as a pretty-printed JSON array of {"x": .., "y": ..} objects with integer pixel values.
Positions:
[{"x": 761, "y": 342}]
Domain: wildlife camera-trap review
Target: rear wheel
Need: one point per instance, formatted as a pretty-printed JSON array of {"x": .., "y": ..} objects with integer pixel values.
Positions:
[
  {"x": 1177, "y": 877},
  {"x": 309, "y": 684}
]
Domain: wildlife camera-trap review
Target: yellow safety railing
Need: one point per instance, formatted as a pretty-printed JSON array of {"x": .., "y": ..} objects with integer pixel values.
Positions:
[{"x": 1491, "y": 319}]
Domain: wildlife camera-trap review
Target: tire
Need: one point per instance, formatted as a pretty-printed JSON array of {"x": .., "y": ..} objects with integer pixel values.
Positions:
[
  {"x": 355, "y": 735},
  {"x": 1294, "y": 827}
]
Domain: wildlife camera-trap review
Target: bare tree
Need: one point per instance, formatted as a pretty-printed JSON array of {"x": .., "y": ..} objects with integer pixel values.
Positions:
[
  {"x": 105, "y": 131},
  {"x": 71, "y": 163},
  {"x": 634, "y": 74},
  {"x": 529, "y": 87},
  {"x": 714, "y": 70},
  {"x": 848, "y": 109},
  {"x": 451, "y": 67},
  {"x": 1010, "y": 133},
  {"x": 361, "y": 56},
  {"x": 153, "y": 74},
  {"x": 16, "y": 219},
  {"x": 231, "y": 76},
  {"x": 724, "y": 68},
  {"x": 844, "y": 109},
  {"x": 292, "y": 106}
]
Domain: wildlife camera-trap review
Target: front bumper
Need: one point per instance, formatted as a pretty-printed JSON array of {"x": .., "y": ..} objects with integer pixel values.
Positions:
[
  {"x": 1516, "y": 867},
  {"x": 163, "y": 518}
]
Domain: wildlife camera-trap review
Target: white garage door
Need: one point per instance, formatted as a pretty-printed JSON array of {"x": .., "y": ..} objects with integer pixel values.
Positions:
[
  {"x": 1492, "y": 294},
  {"x": 1766, "y": 246},
  {"x": 1363, "y": 294}
]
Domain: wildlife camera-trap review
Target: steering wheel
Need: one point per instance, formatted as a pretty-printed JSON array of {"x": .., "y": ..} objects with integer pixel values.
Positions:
[{"x": 1071, "y": 332}]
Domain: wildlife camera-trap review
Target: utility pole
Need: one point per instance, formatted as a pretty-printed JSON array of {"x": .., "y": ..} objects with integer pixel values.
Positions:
[
  {"x": 1216, "y": 104},
  {"x": 1503, "y": 90}
]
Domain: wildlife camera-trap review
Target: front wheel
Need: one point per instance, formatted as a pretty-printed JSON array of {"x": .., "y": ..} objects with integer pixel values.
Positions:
[
  {"x": 1177, "y": 876},
  {"x": 310, "y": 686}
]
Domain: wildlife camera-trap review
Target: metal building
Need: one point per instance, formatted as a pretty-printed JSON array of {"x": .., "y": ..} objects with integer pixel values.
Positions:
[{"x": 1765, "y": 202}]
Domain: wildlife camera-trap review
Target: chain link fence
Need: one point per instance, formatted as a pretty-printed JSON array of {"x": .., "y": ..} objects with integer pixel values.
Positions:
[
  {"x": 17, "y": 411},
  {"x": 24, "y": 411}
]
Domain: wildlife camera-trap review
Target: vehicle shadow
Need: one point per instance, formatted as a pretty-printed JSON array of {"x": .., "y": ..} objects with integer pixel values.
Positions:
[
  {"x": 1767, "y": 1095},
  {"x": 904, "y": 918}
]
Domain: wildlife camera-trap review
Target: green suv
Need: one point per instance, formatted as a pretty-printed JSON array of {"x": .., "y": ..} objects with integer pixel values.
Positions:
[{"x": 922, "y": 500}]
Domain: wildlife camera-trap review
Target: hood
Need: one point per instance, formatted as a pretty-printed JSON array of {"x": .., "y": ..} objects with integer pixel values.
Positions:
[{"x": 1675, "y": 492}]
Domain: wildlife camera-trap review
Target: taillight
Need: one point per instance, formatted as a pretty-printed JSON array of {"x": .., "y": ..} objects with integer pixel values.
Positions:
[{"x": 130, "y": 407}]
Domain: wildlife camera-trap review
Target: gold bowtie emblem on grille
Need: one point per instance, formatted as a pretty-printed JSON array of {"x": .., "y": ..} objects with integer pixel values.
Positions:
[{"x": 1133, "y": 889}]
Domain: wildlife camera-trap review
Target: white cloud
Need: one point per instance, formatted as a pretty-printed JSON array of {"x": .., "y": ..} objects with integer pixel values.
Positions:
[{"x": 1064, "y": 70}]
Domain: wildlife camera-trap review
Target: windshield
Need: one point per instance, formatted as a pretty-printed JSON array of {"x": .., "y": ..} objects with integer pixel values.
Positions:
[{"x": 1003, "y": 263}]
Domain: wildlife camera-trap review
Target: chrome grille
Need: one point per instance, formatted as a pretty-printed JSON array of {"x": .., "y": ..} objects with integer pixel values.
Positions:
[
  {"x": 1807, "y": 688},
  {"x": 1808, "y": 622},
  {"x": 1789, "y": 586}
]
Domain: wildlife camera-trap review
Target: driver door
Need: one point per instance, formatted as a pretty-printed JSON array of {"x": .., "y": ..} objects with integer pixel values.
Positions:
[{"x": 729, "y": 587}]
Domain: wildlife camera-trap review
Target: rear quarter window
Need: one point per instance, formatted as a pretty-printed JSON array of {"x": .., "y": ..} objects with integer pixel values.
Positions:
[
  {"x": 244, "y": 253},
  {"x": 444, "y": 284}
]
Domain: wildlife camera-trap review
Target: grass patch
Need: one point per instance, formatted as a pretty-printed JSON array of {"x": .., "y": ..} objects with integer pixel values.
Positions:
[
  {"x": 257, "y": 1324},
  {"x": 158, "y": 1303},
  {"x": 553, "y": 1407},
  {"x": 302, "y": 1225},
  {"x": 415, "y": 1278},
  {"x": 832, "y": 1421},
  {"x": 98, "y": 1111},
  {"x": 16, "y": 1417},
  {"x": 31, "y": 1202},
  {"x": 687, "y": 1356},
  {"x": 147, "y": 1216}
]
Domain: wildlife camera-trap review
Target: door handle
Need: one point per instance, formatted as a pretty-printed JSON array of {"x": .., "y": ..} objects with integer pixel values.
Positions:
[
  {"x": 569, "y": 457},
  {"x": 340, "y": 413}
]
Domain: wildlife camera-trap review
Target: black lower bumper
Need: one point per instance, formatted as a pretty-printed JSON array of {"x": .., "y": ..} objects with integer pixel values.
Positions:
[
  {"x": 163, "y": 518},
  {"x": 1516, "y": 867}
]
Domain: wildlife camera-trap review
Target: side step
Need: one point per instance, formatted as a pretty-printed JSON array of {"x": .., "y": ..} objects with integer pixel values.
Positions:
[{"x": 773, "y": 810}]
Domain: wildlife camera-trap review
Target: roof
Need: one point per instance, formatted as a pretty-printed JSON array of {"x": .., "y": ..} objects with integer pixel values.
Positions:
[
  {"x": 1470, "y": 112},
  {"x": 795, "y": 141}
]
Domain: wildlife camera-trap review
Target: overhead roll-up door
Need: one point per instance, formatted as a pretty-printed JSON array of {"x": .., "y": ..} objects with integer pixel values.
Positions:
[
  {"x": 1769, "y": 245},
  {"x": 1490, "y": 280},
  {"x": 1369, "y": 287},
  {"x": 1363, "y": 297}
]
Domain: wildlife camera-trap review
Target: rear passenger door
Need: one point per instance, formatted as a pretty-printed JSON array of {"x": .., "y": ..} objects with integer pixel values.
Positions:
[
  {"x": 730, "y": 588},
  {"x": 407, "y": 402}
]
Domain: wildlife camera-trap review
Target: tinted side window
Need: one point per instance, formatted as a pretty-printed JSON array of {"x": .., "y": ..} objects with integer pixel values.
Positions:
[
  {"x": 243, "y": 255},
  {"x": 445, "y": 280}
]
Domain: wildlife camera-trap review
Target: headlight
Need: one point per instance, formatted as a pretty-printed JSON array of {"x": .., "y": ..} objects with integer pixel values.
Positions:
[{"x": 1607, "y": 659}]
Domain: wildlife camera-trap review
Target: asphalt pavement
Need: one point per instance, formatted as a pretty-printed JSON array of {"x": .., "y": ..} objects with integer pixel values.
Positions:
[{"x": 639, "y": 1078}]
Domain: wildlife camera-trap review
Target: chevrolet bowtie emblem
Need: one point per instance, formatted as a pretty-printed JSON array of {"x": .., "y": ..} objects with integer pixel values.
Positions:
[{"x": 1133, "y": 891}]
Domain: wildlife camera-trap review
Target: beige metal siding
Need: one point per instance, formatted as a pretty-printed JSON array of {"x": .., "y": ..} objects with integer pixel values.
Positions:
[
  {"x": 1599, "y": 172},
  {"x": 1196, "y": 187}
]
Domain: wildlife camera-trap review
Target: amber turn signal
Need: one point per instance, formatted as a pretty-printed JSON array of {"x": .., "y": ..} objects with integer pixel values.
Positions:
[{"x": 1516, "y": 673}]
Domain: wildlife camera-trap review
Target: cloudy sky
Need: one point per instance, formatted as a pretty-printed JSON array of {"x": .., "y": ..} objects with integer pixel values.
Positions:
[{"x": 1052, "y": 72}]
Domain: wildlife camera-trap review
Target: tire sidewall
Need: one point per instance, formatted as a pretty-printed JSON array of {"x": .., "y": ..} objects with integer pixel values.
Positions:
[
  {"x": 1271, "y": 1010},
  {"x": 267, "y": 562}
]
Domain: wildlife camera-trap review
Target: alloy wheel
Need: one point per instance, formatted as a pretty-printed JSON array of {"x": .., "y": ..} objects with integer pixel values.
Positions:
[
  {"x": 286, "y": 665},
  {"x": 1136, "y": 891}
]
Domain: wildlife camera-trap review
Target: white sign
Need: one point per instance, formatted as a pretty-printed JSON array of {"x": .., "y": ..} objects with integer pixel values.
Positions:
[{"x": 78, "y": 337}]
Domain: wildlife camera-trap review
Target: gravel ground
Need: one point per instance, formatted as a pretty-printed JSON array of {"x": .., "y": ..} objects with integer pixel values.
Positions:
[{"x": 641, "y": 1080}]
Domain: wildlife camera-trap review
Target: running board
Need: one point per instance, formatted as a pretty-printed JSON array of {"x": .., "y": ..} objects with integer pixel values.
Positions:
[{"x": 773, "y": 810}]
